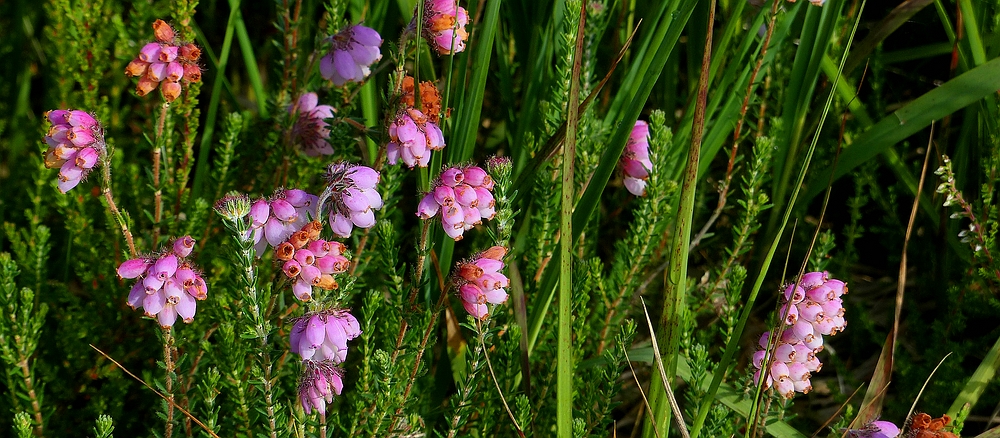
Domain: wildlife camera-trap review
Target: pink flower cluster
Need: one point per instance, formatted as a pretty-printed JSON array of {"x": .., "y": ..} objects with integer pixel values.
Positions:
[
  {"x": 412, "y": 136},
  {"x": 320, "y": 338},
  {"x": 323, "y": 335},
  {"x": 310, "y": 261},
  {"x": 274, "y": 220},
  {"x": 480, "y": 281},
  {"x": 76, "y": 145},
  {"x": 165, "y": 62},
  {"x": 354, "y": 50},
  {"x": 812, "y": 309},
  {"x": 875, "y": 429},
  {"x": 444, "y": 26},
  {"x": 635, "y": 160},
  {"x": 169, "y": 284},
  {"x": 310, "y": 131},
  {"x": 353, "y": 198},
  {"x": 319, "y": 383},
  {"x": 463, "y": 196}
]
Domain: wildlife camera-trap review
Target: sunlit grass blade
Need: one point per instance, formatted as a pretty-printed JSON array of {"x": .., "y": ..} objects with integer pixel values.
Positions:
[
  {"x": 253, "y": 70},
  {"x": 952, "y": 96},
  {"x": 980, "y": 379}
]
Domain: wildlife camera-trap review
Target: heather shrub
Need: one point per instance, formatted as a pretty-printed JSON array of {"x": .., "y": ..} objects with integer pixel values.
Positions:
[{"x": 499, "y": 218}]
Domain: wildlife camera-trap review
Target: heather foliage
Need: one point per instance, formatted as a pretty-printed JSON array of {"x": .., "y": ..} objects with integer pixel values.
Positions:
[{"x": 499, "y": 218}]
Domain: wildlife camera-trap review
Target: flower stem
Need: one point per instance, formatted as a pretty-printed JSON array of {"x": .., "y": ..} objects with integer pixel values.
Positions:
[
  {"x": 117, "y": 214},
  {"x": 168, "y": 360},
  {"x": 158, "y": 193}
]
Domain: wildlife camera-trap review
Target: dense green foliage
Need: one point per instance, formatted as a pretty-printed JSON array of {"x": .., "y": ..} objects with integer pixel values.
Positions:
[{"x": 796, "y": 165}]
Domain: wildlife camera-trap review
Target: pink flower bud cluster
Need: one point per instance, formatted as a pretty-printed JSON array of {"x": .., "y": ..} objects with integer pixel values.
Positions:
[
  {"x": 412, "y": 137},
  {"x": 165, "y": 62},
  {"x": 274, "y": 220},
  {"x": 323, "y": 335},
  {"x": 463, "y": 196},
  {"x": 310, "y": 132},
  {"x": 320, "y": 338},
  {"x": 480, "y": 281},
  {"x": 354, "y": 50},
  {"x": 310, "y": 261},
  {"x": 168, "y": 284},
  {"x": 444, "y": 26},
  {"x": 812, "y": 309},
  {"x": 353, "y": 197},
  {"x": 319, "y": 383},
  {"x": 76, "y": 144},
  {"x": 635, "y": 161}
]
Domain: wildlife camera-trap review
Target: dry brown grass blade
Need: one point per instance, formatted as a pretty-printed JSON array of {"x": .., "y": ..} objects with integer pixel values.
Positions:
[
  {"x": 184, "y": 411},
  {"x": 922, "y": 388},
  {"x": 678, "y": 415},
  {"x": 645, "y": 401},
  {"x": 871, "y": 407}
]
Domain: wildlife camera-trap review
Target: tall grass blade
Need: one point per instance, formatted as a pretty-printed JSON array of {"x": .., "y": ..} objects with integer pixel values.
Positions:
[
  {"x": 980, "y": 379},
  {"x": 564, "y": 355},
  {"x": 954, "y": 95}
]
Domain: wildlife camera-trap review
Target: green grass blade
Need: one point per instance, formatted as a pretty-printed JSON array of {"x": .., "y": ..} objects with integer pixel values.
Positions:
[
  {"x": 253, "y": 70},
  {"x": 201, "y": 169},
  {"x": 675, "y": 281},
  {"x": 668, "y": 31},
  {"x": 564, "y": 355},
  {"x": 954, "y": 95},
  {"x": 980, "y": 379},
  {"x": 464, "y": 140}
]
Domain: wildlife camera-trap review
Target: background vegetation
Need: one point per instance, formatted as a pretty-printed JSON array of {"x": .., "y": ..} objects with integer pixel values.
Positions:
[{"x": 793, "y": 165}]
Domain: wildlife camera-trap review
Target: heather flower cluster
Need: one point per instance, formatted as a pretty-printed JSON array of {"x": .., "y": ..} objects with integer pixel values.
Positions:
[
  {"x": 444, "y": 26},
  {"x": 320, "y": 339},
  {"x": 412, "y": 137},
  {"x": 635, "y": 161},
  {"x": 480, "y": 281},
  {"x": 310, "y": 131},
  {"x": 875, "y": 429},
  {"x": 168, "y": 284},
  {"x": 274, "y": 220},
  {"x": 812, "y": 309},
  {"x": 351, "y": 197},
  {"x": 310, "y": 261},
  {"x": 355, "y": 49},
  {"x": 430, "y": 98},
  {"x": 463, "y": 196},
  {"x": 76, "y": 145},
  {"x": 323, "y": 336},
  {"x": 165, "y": 63}
]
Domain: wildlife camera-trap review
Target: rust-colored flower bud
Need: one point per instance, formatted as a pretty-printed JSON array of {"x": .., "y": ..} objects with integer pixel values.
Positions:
[
  {"x": 299, "y": 239},
  {"x": 430, "y": 98},
  {"x": 313, "y": 229},
  {"x": 171, "y": 90},
  {"x": 285, "y": 251},
  {"x": 136, "y": 68},
  {"x": 495, "y": 253},
  {"x": 162, "y": 31},
  {"x": 470, "y": 271},
  {"x": 192, "y": 73},
  {"x": 326, "y": 282},
  {"x": 145, "y": 85},
  {"x": 189, "y": 53}
]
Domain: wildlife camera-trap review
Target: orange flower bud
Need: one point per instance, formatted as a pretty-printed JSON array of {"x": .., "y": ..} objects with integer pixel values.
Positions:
[
  {"x": 171, "y": 90},
  {"x": 162, "y": 31}
]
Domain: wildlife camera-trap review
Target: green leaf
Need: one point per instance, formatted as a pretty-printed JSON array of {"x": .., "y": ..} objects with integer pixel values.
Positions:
[{"x": 954, "y": 95}]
